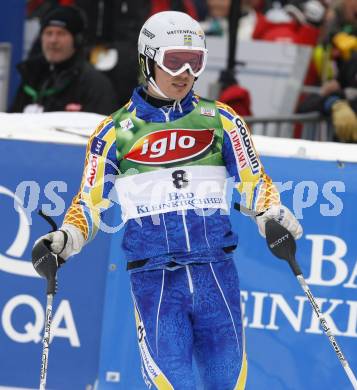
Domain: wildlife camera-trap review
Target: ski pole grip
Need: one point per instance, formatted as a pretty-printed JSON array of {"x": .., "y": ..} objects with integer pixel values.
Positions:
[
  {"x": 52, "y": 285},
  {"x": 282, "y": 244},
  {"x": 295, "y": 267}
]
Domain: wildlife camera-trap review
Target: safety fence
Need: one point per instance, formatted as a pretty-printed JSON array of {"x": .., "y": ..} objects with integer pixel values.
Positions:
[{"x": 310, "y": 126}]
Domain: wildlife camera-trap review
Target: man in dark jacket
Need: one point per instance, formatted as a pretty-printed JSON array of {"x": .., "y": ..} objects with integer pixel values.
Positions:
[{"x": 61, "y": 79}]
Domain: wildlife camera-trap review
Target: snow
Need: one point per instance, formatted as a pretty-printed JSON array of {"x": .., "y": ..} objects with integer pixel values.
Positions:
[{"x": 58, "y": 127}]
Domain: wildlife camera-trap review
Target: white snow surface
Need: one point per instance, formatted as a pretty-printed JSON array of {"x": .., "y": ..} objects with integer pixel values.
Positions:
[
  {"x": 58, "y": 127},
  {"x": 298, "y": 148},
  {"x": 76, "y": 127},
  {"x": 16, "y": 388}
]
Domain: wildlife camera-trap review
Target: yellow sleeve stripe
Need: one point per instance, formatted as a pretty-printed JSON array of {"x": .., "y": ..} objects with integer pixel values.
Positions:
[
  {"x": 228, "y": 125},
  {"x": 226, "y": 108},
  {"x": 75, "y": 214},
  {"x": 94, "y": 198},
  {"x": 256, "y": 188},
  {"x": 103, "y": 127}
]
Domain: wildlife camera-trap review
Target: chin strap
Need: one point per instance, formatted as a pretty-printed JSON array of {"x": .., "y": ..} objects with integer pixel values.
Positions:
[
  {"x": 149, "y": 75},
  {"x": 156, "y": 88}
]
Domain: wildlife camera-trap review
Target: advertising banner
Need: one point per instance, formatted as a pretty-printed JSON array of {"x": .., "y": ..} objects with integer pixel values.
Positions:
[
  {"x": 285, "y": 345},
  {"x": 93, "y": 330},
  {"x": 37, "y": 175}
]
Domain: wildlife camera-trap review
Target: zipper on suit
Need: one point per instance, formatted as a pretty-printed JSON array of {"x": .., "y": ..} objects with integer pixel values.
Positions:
[{"x": 167, "y": 114}]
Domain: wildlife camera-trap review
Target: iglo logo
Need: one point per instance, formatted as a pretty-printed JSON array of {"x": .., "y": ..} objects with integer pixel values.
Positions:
[
  {"x": 168, "y": 146},
  {"x": 9, "y": 262}
]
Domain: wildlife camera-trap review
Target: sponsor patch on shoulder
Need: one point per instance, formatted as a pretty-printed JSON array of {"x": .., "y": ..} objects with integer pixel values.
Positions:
[
  {"x": 97, "y": 146},
  {"x": 126, "y": 124},
  {"x": 208, "y": 111}
]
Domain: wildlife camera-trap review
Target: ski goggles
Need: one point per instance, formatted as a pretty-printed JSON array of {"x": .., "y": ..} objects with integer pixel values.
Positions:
[{"x": 175, "y": 60}]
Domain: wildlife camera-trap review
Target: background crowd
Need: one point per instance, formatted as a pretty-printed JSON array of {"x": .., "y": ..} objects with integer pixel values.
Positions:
[{"x": 96, "y": 66}]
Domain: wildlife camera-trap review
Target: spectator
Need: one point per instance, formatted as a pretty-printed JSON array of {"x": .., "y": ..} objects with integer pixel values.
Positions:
[
  {"x": 341, "y": 17},
  {"x": 40, "y": 7},
  {"x": 297, "y": 22},
  {"x": 233, "y": 94},
  {"x": 338, "y": 99},
  {"x": 61, "y": 79},
  {"x": 113, "y": 29},
  {"x": 337, "y": 39},
  {"x": 336, "y": 61},
  {"x": 35, "y": 11},
  {"x": 217, "y": 23},
  {"x": 187, "y": 6}
]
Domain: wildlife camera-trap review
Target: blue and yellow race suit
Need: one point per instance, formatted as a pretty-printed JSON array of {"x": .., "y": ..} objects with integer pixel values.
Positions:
[{"x": 173, "y": 166}]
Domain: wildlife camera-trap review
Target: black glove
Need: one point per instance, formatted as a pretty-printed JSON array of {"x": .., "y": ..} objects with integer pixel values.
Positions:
[{"x": 46, "y": 263}]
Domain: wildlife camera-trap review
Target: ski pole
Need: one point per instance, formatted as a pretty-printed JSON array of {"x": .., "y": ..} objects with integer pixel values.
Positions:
[
  {"x": 41, "y": 254},
  {"x": 51, "y": 290},
  {"x": 282, "y": 244}
]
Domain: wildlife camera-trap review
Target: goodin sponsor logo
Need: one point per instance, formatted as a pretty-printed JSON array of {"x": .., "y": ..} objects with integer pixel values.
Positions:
[{"x": 247, "y": 144}]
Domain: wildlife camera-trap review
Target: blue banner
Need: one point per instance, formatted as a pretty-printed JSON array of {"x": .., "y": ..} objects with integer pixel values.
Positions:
[
  {"x": 285, "y": 345},
  {"x": 46, "y": 175},
  {"x": 13, "y": 33},
  {"x": 94, "y": 337}
]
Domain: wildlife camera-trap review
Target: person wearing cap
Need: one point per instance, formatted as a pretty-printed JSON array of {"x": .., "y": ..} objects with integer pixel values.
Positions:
[
  {"x": 169, "y": 153},
  {"x": 61, "y": 79}
]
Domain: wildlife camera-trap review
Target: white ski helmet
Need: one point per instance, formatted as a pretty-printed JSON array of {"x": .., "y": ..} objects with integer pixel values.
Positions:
[{"x": 175, "y": 41}]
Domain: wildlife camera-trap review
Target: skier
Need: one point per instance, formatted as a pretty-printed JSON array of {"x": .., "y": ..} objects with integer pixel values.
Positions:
[{"x": 171, "y": 152}]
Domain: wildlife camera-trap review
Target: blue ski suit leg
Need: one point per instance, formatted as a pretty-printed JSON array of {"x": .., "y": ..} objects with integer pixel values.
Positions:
[{"x": 193, "y": 310}]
